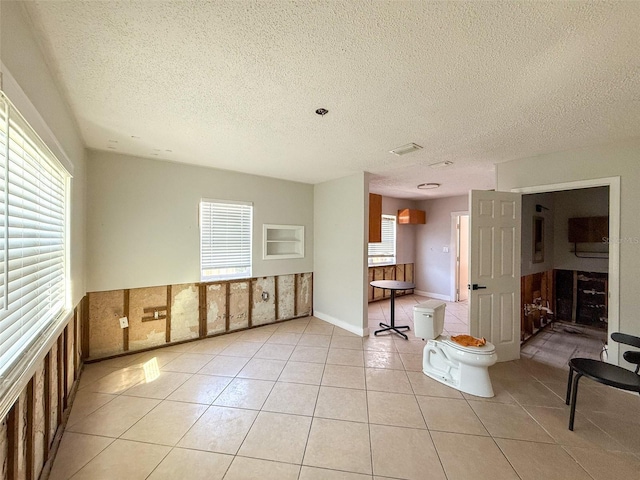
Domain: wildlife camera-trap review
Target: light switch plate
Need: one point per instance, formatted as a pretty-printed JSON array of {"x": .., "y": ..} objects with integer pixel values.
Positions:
[
  {"x": 124, "y": 322},
  {"x": 445, "y": 249}
]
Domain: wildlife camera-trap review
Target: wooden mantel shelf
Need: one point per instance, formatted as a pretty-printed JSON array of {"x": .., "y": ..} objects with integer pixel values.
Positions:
[{"x": 411, "y": 217}]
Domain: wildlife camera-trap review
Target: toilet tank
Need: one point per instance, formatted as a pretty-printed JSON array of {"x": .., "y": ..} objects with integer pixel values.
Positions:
[{"x": 428, "y": 319}]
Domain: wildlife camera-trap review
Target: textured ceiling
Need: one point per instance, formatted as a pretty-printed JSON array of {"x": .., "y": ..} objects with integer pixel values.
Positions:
[{"x": 234, "y": 84}]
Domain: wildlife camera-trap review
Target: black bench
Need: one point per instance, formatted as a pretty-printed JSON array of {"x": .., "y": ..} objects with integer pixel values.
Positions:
[{"x": 601, "y": 372}]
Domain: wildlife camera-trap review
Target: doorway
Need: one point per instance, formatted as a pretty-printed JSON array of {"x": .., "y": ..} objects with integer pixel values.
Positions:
[
  {"x": 613, "y": 257},
  {"x": 460, "y": 241}
]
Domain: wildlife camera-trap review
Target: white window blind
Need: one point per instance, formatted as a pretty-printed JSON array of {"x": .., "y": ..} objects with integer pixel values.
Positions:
[
  {"x": 384, "y": 252},
  {"x": 32, "y": 236},
  {"x": 225, "y": 240}
]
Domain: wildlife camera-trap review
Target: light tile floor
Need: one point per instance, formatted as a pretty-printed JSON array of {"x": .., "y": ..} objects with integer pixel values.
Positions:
[{"x": 304, "y": 400}]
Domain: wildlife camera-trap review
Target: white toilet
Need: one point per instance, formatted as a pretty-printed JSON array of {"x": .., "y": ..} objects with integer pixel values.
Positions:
[{"x": 463, "y": 368}]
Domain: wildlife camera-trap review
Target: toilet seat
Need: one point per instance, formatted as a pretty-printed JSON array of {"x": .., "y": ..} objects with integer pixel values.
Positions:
[{"x": 486, "y": 349}]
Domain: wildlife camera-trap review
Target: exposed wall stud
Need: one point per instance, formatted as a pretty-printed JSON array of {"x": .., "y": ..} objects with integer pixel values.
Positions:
[
  {"x": 168, "y": 321},
  {"x": 311, "y": 290},
  {"x": 31, "y": 431},
  {"x": 60, "y": 368},
  {"x": 250, "y": 303},
  {"x": 125, "y": 331},
  {"x": 65, "y": 365},
  {"x": 85, "y": 327},
  {"x": 75, "y": 343},
  {"x": 275, "y": 288},
  {"x": 295, "y": 294},
  {"x": 226, "y": 306},
  {"x": 202, "y": 305},
  {"x": 47, "y": 404},
  {"x": 13, "y": 441}
]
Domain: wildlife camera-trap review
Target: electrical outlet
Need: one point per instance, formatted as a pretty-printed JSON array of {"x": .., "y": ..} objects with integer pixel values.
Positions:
[{"x": 124, "y": 322}]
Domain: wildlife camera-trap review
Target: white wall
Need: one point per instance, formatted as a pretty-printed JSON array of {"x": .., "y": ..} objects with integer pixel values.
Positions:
[
  {"x": 529, "y": 203},
  {"x": 589, "y": 202},
  {"x": 142, "y": 227},
  {"x": 621, "y": 159},
  {"x": 340, "y": 255},
  {"x": 405, "y": 234},
  {"x": 435, "y": 268},
  {"x": 32, "y": 88}
]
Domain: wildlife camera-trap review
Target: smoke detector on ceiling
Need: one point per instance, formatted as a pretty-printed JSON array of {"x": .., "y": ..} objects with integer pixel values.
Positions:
[{"x": 404, "y": 149}]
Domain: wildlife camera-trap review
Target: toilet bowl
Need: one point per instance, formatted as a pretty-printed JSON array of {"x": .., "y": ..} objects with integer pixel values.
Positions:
[{"x": 463, "y": 368}]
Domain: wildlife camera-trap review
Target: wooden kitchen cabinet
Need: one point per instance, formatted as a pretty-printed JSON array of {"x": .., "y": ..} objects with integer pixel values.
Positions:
[
  {"x": 411, "y": 217},
  {"x": 375, "y": 218}
]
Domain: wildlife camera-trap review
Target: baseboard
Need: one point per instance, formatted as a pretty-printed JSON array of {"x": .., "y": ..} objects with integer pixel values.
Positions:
[
  {"x": 361, "y": 332},
  {"x": 437, "y": 296}
]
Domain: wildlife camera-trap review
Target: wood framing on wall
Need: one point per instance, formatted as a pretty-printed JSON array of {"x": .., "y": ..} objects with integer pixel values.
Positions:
[
  {"x": 190, "y": 312},
  {"x": 402, "y": 272},
  {"x": 32, "y": 428},
  {"x": 536, "y": 291}
]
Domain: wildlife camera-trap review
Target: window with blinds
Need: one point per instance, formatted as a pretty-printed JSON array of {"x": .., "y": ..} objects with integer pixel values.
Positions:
[
  {"x": 33, "y": 196},
  {"x": 225, "y": 240},
  {"x": 384, "y": 253}
]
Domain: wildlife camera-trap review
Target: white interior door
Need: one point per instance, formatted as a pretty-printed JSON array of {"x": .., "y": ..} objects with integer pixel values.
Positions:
[{"x": 494, "y": 270}]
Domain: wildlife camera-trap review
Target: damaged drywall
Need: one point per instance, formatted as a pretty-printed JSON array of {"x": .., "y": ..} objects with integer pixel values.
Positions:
[
  {"x": 185, "y": 318},
  {"x": 39, "y": 420},
  {"x": 147, "y": 328},
  {"x": 401, "y": 272},
  {"x": 286, "y": 297},
  {"x": 263, "y": 309},
  {"x": 238, "y": 305},
  {"x": 304, "y": 292},
  {"x": 216, "y": 307},
  {"x": 105, "y": 334},
  {"x": 4, "y": 458},
  {"x": 166, "y": 314}
]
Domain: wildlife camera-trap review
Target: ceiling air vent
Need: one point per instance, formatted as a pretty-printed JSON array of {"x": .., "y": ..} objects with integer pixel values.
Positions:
[{"x": 404, "y": 149}]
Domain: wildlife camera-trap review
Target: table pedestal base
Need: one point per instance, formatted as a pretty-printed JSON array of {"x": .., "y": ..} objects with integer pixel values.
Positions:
[{"x": 394, "y": 328}]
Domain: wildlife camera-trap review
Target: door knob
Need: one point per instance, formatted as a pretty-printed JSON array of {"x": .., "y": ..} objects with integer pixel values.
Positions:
[{"x": 475, "y": 286}]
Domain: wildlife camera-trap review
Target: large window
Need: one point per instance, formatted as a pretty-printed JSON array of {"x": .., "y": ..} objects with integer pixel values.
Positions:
[
  {"x": 33, "y": 196},
  {"x": 384, "y": 253},
  {"x": 225, "y": 240}
]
